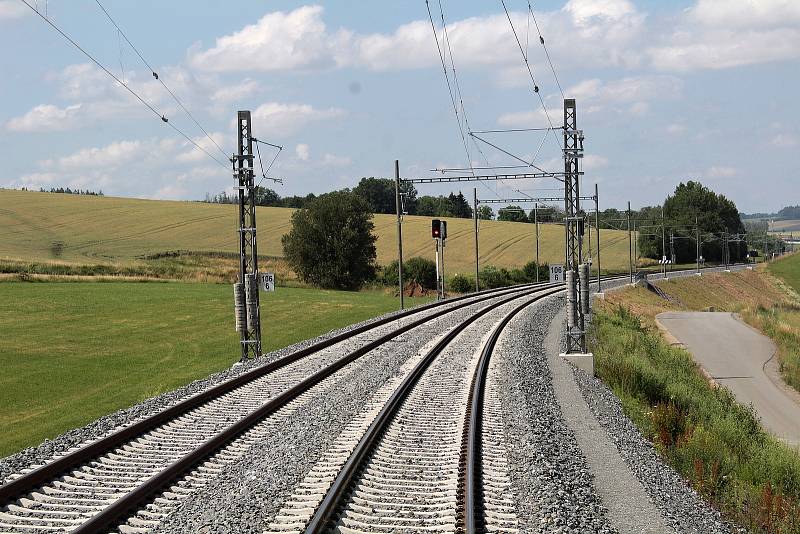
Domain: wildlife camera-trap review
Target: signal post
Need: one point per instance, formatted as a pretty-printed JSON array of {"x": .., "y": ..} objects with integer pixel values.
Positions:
[{"x": 439, "y": 235}]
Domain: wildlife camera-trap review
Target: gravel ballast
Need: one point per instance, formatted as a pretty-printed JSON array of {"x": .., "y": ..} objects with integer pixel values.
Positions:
[
  {"x": 249, "y": 492},
  {"x": 552, "y": 485}
]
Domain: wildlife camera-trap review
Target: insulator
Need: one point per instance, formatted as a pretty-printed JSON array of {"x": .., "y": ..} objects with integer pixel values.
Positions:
[
  {"x": 572, "y": 299},
  {"x": 239, "y": 306},
  {"x": 251, "y": 292},
  {"x": 584, "y": 284}
]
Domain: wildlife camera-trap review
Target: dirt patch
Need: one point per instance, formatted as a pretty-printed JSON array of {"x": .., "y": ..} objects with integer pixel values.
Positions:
[{"x": 415, "y": 289}]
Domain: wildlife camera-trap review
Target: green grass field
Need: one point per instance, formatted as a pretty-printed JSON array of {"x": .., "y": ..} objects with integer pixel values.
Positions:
[
  {"x": 787, "y": 268},
  {"x": 45, "y": 227},
  {"x": 72, "y": 352}
]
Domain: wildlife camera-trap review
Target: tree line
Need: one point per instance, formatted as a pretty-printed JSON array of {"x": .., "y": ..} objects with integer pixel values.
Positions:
[
  {"x": 377, "y": 193},
  {"x": 67, "y": 191}
]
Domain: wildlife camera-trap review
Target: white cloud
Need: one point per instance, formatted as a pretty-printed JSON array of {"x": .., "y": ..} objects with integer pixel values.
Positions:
[
  {"x": 721, "y": 172},
  {"x": 11, "y": 9},
  {"x": 676, "y": 128},
  {"x": 722, "y": 49},
  {"x": 302, "y": 151},
  {"x": 94, "y": 97},
  {"x": 583, "y": 11},
  {"x": 171, "y": 192},
  {"x": 600, "y": 31},
  {"x": 332, "y": 160},
  {"x": 37, "y": 179},
  {"x": 526, "y": 119},
  {"x": 785, "y": 140},
  {"x": 635, "y": 90},
  {"x": 142, "y": 168},
  {"x": 283, "y": 120},
  {"x": 593, "y": 162},
  {"x": 195, "y": 154},
  {"x": 234, "y": 93},
  {"x": 110, "y": 156},
  {"x": 278, "y": 41},
  {"x": 46, "y": 118},
  {"x": 720, "y": 34},
  {"x": 734, "y": 14}
]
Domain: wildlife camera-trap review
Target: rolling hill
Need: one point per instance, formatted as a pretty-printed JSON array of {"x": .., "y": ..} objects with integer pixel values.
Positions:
[{"x": 51, "y": 227}]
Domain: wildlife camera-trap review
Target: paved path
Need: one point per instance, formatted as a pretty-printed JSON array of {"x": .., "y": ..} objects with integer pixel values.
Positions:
[
  {"x": 629, "y": 508},
  {"x": 741, "y": 359}
]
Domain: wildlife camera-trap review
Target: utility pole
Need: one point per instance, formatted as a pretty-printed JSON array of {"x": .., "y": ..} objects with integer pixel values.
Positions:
[
  {"x": 536, "y": 224},
  {"x": 635, "y": 248},
  {"x": 697, "y": 242},
  {"x": 246, "y": 301},
  {"x": 597, "y": 227},
  {"x": 399, "y": 230},
  {"x": 630, "y": 244},
  {"x": 475, "y": 221},
  {"x": 725, "y": 248},
  {"x": 573, "y": 222},
  {"x": 663, "y": 244},
  {"x": 588, "y": 229},
  {"x": 671, "y": 250}
]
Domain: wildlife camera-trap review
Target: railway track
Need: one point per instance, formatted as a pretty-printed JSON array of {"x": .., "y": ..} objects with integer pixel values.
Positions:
[
  {"x": 413, "y": 461},
  {"x": 133, "y": 477},
  {"x": 130, "y": 480}
]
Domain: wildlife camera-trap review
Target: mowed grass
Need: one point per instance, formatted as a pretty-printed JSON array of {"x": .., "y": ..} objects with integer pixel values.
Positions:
[
  {"x": 85, "y": 229},
  {"x": 72, "y": 352},
  {"x": 714, "y": 442},
  {"x": 788, "y": 269}
]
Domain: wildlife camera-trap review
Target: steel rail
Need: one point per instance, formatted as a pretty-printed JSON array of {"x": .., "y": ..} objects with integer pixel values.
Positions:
[
  {"x": 470, "y": 472},
  {"x": 122, "y": 507},
  {"x": 326, "y": 511},
  {"x": 11, "y": 491}
]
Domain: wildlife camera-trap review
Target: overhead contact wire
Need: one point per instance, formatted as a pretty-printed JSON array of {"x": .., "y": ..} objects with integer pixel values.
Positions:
[
  {"x": 530, "y": 72},
  {"x": 131, "y": 91},
  {"x": 157, "y": 77},
  {"x": 449, "y": 85},
  {"x": 546, "y": 52}
]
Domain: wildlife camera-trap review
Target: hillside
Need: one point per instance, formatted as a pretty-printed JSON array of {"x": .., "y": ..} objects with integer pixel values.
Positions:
[{"x": 91, "y": 230}]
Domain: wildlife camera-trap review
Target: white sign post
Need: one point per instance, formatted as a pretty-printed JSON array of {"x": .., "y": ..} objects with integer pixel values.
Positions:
[
  {"x": 267, "y": 281},
  {"x": 556, "y": 273}
]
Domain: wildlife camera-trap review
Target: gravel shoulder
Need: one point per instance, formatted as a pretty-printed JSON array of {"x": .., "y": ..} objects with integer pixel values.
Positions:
[
  {"x": 551, "y": 481},
  {"x": 629, "y": 507}
]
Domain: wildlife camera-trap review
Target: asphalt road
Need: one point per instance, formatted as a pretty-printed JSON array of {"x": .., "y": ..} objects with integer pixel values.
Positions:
[{"x": 741, "y": 359}]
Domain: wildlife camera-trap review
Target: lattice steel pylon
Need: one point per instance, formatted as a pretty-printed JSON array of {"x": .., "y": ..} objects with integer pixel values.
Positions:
[
  {"x": 573, "y": 224},
  {"x": 249, "y": 324}
]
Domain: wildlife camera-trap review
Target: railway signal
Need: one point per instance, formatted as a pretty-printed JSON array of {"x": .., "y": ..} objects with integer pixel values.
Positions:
[
  {"x": 436, "y": 228},
  {"x": 439, "y": 235}
]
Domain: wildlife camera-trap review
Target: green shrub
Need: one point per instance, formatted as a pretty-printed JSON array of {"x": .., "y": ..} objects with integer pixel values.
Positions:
[
  {"x": 461, "y": 284},
  {"x": 518, "y": 276},
  {"x": 422, "y": 270},
  {"x": 388, "y": 274},
  {"x": 530, "y": 271},
  {"x": 492, "y": 277}
]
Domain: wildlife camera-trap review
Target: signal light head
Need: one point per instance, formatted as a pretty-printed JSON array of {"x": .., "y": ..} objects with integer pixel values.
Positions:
[{"x": 436, "y": 228}]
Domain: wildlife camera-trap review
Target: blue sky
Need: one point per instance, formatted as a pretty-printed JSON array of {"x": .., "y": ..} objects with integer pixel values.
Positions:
[{"x": 666, "y": 91}]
